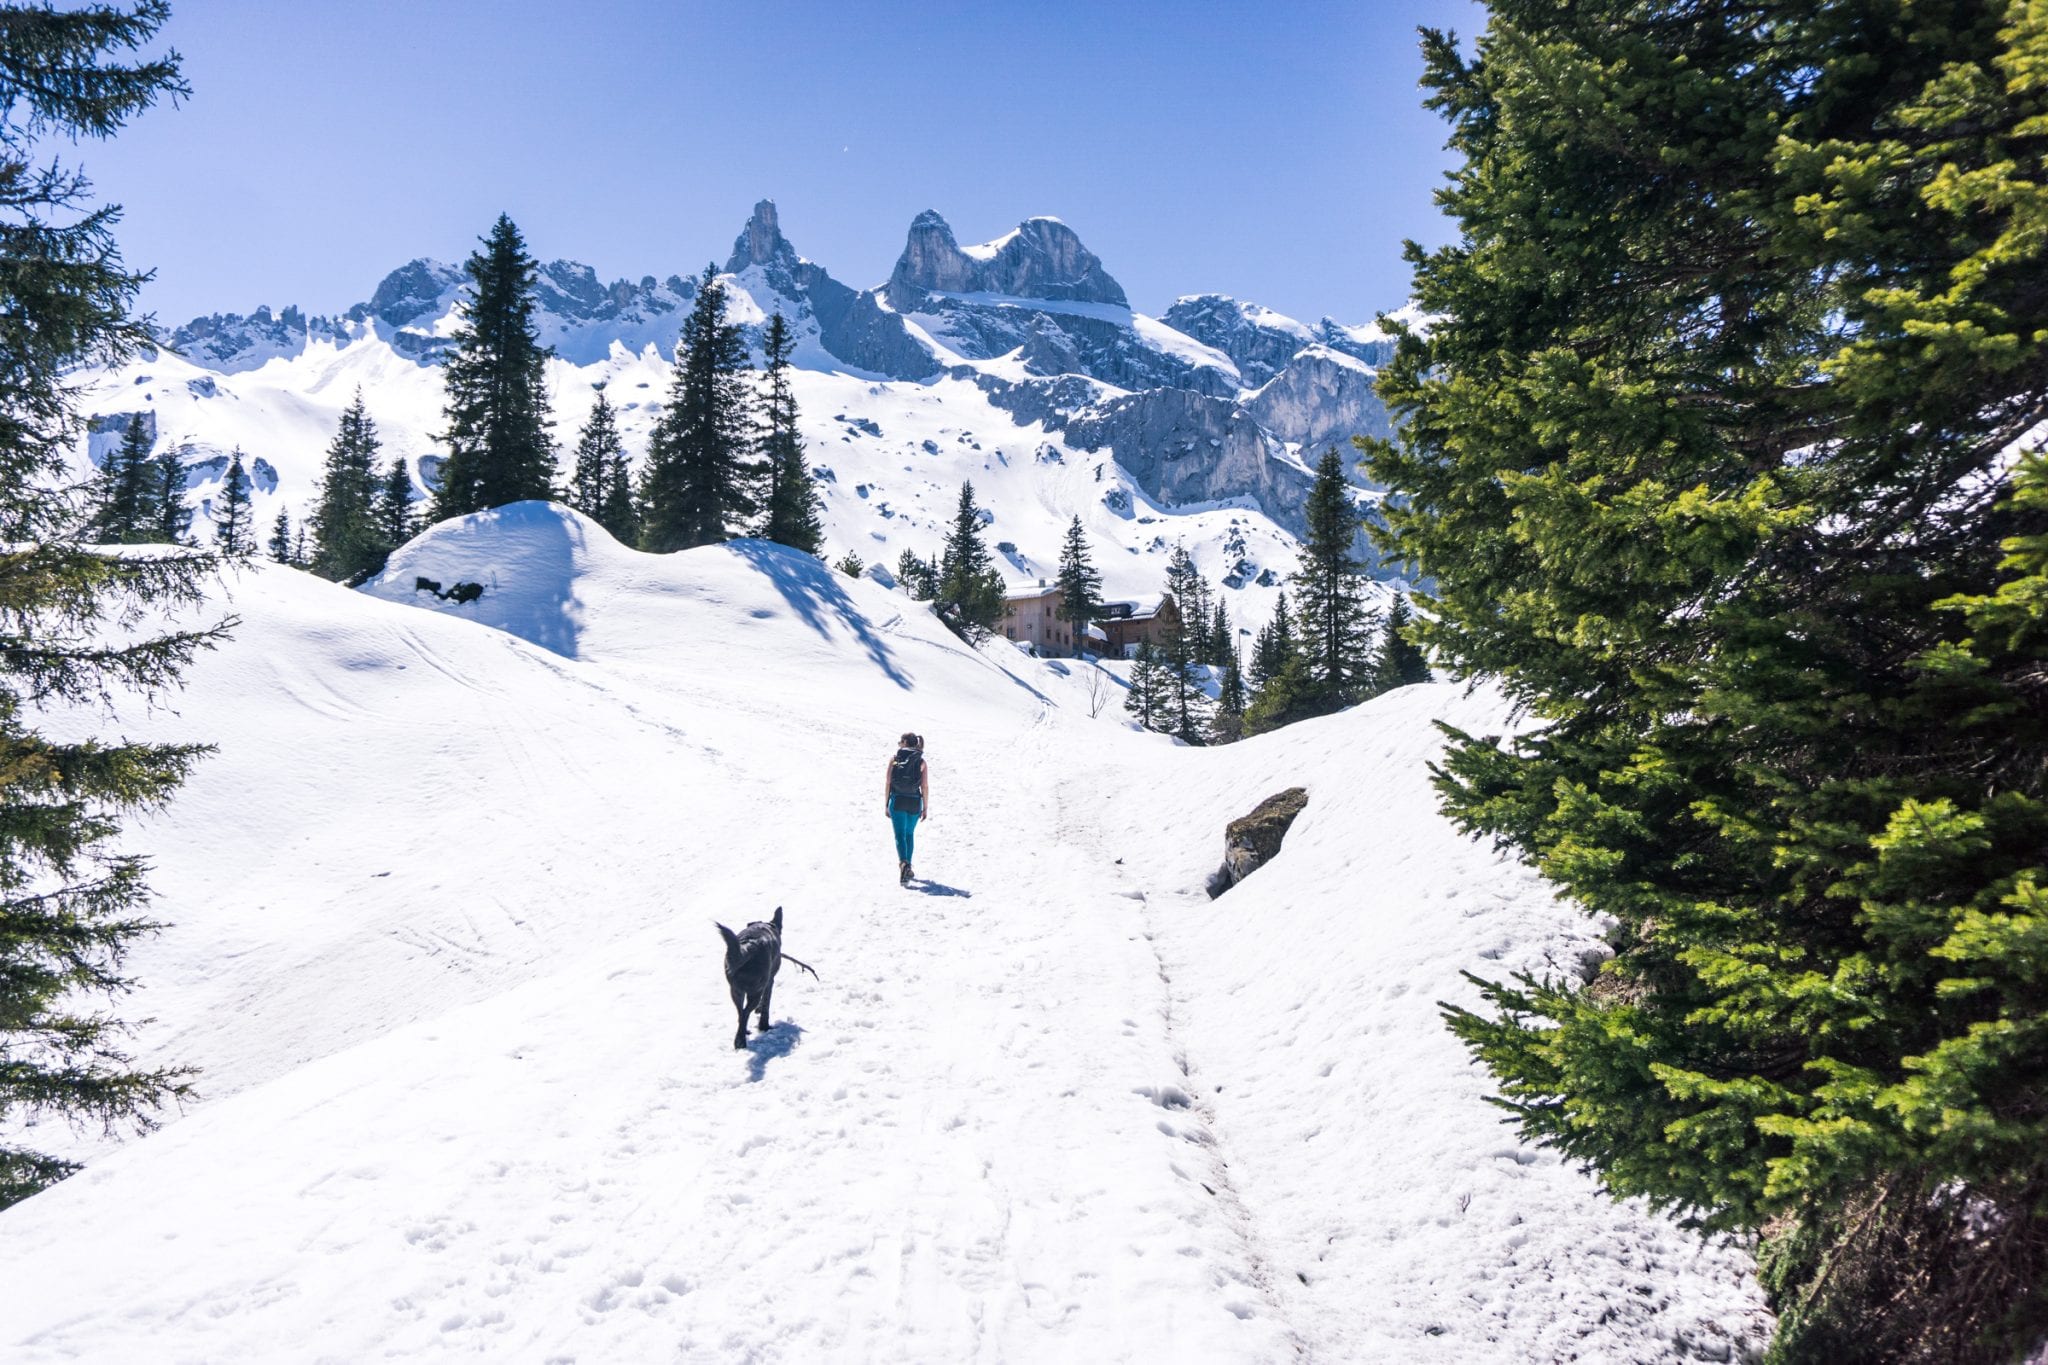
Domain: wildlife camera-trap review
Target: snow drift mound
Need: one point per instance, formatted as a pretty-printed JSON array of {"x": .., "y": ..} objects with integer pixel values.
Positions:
[
  {"x": 755, "y": 623},
  {"x": 442, "y": 948}
]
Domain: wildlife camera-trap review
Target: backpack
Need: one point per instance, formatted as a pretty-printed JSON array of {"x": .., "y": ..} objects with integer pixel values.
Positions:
[{"x": 906, "y": 773}]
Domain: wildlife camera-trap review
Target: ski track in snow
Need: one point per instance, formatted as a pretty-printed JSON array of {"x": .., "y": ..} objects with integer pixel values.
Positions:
[{"x": 443, "y": 948}]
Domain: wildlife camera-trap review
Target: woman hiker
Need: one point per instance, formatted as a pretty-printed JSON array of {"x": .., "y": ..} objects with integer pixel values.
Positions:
[{"x": 907, "y": 794}]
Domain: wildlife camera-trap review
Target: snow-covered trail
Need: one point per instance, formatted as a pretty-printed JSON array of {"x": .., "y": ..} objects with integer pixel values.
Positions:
[{"x": 443, "y": 948}]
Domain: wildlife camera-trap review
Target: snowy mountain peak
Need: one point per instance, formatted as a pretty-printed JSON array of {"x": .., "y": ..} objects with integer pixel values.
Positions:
[
  {"x": 1262, "y": 342},
  {"x": 412, "y": 291},
  {"x": 761, "y": 242},
  {"x": 1041, "y": 258}
]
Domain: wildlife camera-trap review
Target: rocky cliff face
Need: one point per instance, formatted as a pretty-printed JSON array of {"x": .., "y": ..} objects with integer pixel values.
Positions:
[
  {"x": 1177, "y": 445},
  {"x": 1042, "y": 258},
  {"x": 1219, "y": 400},
  {"x": 1320, "y": 399},
  {"x": 1262, "y": 341},
  {"x": 852, "y": 325}
]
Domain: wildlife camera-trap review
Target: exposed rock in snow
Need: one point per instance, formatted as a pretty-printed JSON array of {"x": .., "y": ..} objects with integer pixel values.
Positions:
[
  {"x": 1321, "y": 399},
  {"x": 1042, "y": 259}
]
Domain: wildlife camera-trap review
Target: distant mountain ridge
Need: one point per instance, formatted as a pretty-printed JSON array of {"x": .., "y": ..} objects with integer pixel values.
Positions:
[{"x": 1217, "y": 399}]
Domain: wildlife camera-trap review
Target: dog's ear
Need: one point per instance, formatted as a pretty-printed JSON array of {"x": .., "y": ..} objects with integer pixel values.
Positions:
[
  {"x": 732, "y": 940},
  {"x": 777, "y": 921}
]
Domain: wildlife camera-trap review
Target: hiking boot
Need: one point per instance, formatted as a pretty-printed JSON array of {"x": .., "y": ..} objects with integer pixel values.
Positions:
[
  {"x": 909, "y": 873},
  {"x": 902, "y": 873}
]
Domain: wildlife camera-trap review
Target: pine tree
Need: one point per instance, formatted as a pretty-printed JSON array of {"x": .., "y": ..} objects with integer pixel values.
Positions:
[
  {"x": 167, "y": 500},
  {"x": 1079, "y": 582},
  {"x": 1183, "y": 650},
  {"x": 970, "y": 591},
  {"x": 71, "y": 905},
  {"x": 497, "y": 435},
  {"x": 234, "y": 519},
  {"x": 621, "y": 514},
  {"x": 391, "y": 509},
  {"x": 1400, "y": 662},
  {"x": 1713, "y": 453},
  {"x": 1221, "y": 646},
  {"x": 1335, "y": 639},
  {"x": 1144, "y": 700},
  {"x": 599, "y": 451},
  {"x": 1274, "y": 645},
  {"x": 792, "y": 512},
  {"x": 1191, "y": 593},
  {"x": 280, "y": 543},
  {"x": 125, "y": 493},
  {"x": 348, "y": 544},
  {"x": 852, "y": 565},
  {"x": 1227, "y": 724},
  {"x": 698, "y": 487},
  {"x": 918, "y": 576}
]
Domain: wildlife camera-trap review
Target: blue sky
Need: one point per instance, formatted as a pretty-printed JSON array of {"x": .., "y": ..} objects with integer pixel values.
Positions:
[{"x": 1277, "y": 151}]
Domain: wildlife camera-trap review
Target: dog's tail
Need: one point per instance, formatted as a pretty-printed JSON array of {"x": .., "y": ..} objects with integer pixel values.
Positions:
[{"x": 732, "y": 942}]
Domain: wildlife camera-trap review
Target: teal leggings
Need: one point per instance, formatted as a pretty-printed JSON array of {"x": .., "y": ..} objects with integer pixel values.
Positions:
[{"x": 905, "y": 822}]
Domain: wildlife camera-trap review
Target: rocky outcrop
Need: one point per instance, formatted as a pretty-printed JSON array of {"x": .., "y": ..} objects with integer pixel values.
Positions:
[
  {"x": 410, "y": 293},
  {"x": 1251, "y": 841},
  {"x": 234, "y": 341},
  {"x": 1179, "y": 446},
  {"x": 1321, "y": 399},
  {"x": 1258, "y": 340},
  {"x": 852, "y": 324},
  {"x": 1042, "y": 258},
  {"x": 1262, "y": 342}
]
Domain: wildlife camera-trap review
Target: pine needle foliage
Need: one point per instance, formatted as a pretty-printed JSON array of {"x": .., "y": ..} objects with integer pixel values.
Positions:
[
  {"x": 1079, "y": 582},
  {"x": 497, "y": 417},
  {"x": 125, "y": 511},
  {"x": 970, "y": 591},
  {"x": 71, "y": 907},
  {"x": 700, "y": 485},
  {"x": 597, "y": 446},
  {"x": 1713, "y": 451},
  {"x": 234, "y": 515},
  {"x": 792, "y": 512},
  {"x": 348, "y": 544}
]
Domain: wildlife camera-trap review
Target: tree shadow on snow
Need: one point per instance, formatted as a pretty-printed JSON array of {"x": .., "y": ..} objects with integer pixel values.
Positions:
[
  {"x": 779, "y": 1041},
  {"x": 932, "y": 888},
  {"x": 812, "y": 590}
]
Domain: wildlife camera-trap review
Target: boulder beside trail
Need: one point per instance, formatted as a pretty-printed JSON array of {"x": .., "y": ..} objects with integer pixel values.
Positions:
[{"x": 1251, "y": 841}]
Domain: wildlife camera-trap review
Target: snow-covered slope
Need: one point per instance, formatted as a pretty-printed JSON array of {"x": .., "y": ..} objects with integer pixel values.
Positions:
[
  {"x": 1017, "y": 363},
  {"x": 441, "y": 944}
]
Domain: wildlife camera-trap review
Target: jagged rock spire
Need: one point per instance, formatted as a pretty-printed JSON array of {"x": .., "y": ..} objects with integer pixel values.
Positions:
[{"x": 761, "y": 242}]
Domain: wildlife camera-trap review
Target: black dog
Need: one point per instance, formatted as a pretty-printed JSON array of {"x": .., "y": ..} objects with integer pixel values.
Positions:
[{"x": 752, "y": 958}]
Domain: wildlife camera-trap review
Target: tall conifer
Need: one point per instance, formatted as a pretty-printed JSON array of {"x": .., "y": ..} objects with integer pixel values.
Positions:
[
  {"x": 1080, "y": 584},
  {"x": 72, "y": 904},
  {"x": 348, "y": 545},
  {"x": 1715, "y": 452},
  {"x": 970, "y": 591},
  {"x": 700, "y": 480},
  {"x": 125, "y": 510},
  {"x": 167, "y": 500},
  {"x": 598, "y": 447},
  {"x": 234, "y": 518},
  {"x": 391, "y": 509},
  {"x": 1399, "y": 662},
  {"x": 791, "y": 516},
  {"x": 1335, "y": 637},
  {"x": 497, "y": 431}
]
